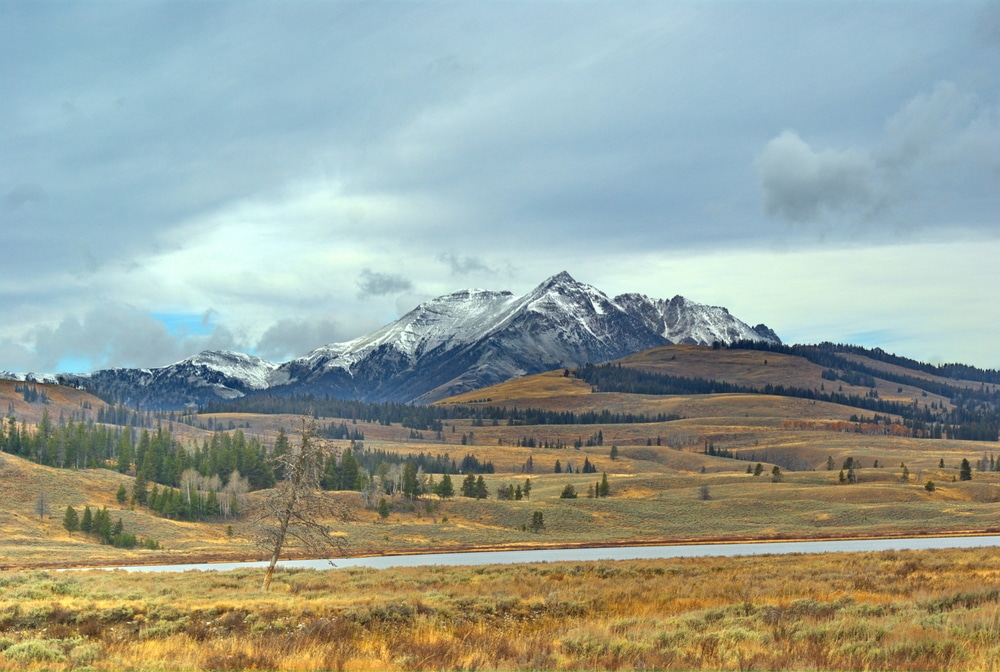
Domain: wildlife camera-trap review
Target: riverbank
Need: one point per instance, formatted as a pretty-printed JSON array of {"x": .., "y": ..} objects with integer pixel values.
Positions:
[{"x": 591, "y": 553}]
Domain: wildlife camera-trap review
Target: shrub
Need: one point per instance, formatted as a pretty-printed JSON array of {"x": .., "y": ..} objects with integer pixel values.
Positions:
[{"x": 34, "y": 650}]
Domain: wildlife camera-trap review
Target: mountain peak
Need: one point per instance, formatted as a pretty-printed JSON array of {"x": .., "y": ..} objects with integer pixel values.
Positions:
[
  {"x": 561, "y": 278},
  {"x": 461, "y": 341}
]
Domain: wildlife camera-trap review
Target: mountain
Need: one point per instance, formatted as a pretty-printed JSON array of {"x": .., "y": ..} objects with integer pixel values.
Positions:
[
  {"x": 210, "y": 375},
  {"x": 454, "y": 343}
]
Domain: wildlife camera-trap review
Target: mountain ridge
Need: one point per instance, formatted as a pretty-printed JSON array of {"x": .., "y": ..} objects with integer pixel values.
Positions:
[{"x": 453, "y": 343}]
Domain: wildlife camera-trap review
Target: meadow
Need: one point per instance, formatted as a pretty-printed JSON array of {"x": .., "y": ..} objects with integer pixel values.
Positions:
[
  {"x": 905, "y": 610},
  {"x": 891, "y": 610}
]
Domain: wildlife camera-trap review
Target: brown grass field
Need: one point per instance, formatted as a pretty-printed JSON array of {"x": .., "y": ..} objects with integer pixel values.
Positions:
[
  {"x": 906, "y": 610},
  {"x": 862, "y": 611}
]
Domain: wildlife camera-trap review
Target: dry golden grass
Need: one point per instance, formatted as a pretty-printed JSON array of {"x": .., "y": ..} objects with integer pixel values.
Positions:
[
  {"x": 62, "y": 400},
  {"x": 926, "y": 610},
  {"x": 541, "y": 386},
  {"x": 747, "y": 367},
  {"x": 908, "y": 610},
  {"x": 657, "y": 483},
  {"x": 553, "y": 391}
]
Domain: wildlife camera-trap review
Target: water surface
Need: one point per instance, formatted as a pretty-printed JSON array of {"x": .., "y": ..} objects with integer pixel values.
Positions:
[{"x": 598, "y": 554}]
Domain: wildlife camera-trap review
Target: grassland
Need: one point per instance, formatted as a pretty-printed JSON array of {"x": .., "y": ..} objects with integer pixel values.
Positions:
[
  {"x": 906, "y": 610},
  {"x": 873, "y": 611},
  {"x": 659, "y": 494}
]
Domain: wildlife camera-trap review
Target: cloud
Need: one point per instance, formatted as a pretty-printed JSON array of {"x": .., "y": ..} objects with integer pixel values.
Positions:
[
  {"x": 290, "y": 338},
  {"x": 464, "y": 265},
  {"x": 801, "y": 184},
  {"x": 113, "y": 335},
  {"x": 942, "y": 146},
  {"x": 208, "y": 317},
  {"x": 372, "y": 283},
  {"x": 24, "y": 194}
]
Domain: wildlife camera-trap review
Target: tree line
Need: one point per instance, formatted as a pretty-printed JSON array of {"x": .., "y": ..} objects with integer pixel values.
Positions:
[{"x": 963, "y": 422}]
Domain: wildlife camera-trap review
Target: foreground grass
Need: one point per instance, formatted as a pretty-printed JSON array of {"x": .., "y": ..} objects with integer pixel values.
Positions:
[{"x": 878, "y": 611}]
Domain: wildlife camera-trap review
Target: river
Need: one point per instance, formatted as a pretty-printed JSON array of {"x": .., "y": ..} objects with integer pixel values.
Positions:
[{"x": 597, "y": 554}]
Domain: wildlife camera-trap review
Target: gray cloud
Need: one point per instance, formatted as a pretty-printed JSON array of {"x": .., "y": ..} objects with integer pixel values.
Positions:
[
  {"x": 290, "y": 338},
  {"x": 802, "y": 184},
  {"x": 464, "y": 264},
  {"x": 372, "y": 283},
  {"x": 941, "y": 146},
  {"x": 209, "y": 316},
  {"x": 257, "y": 158}
]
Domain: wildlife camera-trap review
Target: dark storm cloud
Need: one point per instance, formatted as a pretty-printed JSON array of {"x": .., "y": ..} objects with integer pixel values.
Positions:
[{"x": 372, "y": 283}]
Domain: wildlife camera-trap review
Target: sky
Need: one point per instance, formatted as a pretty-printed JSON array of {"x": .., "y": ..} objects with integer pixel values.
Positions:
[{"x": 270, "y": 177}]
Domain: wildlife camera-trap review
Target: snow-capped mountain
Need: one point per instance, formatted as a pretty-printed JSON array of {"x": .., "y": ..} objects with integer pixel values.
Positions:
[
  {"x": 213, "y": 374},
  {"x": 474, "y": 338},
  {"x": 454, "y": 343},
  {"x": 682, "y": 321},
  {"x": 32, "y": 377}
]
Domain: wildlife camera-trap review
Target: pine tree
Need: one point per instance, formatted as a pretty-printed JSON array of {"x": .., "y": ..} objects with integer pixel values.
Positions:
[
  {"x": 965, "y": 472},
  {"x": 445, "y": 489},
  {"x": 87, "y": 521},
  {"x": 102, "y": 525},
  {"x": 350, "y": 471},
  {"x": 411, "y": 488},
  {"x": 122, "y": 494},
  {"x": 604, "y": 490},
  {"x": 71, "y": 521},
  {"x": 139, "y": 493},
  {"x": 211, "y": 503}
]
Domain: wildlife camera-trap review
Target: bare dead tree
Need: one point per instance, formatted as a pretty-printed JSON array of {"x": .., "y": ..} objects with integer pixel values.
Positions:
[
  {"x": 294, "y": 510},
  {"x": 42, "y": 504}
]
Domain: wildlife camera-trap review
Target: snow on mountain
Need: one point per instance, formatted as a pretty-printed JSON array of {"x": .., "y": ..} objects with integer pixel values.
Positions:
[
  {"x": 443, "y": 322},
  {"x": 475, "y": 338},
  {"x": 30, "y": 377},
  {"x": 454, "y": 343},
  {"x": 251, "y": 372},
  {"x": 212, "y": 374},
  {"x": 682, "y": 321}
]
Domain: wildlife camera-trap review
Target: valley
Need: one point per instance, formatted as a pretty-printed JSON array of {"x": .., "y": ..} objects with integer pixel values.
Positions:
[
  {"x": 679, "y": 468},
  {"x": 687, "y": 477}
]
